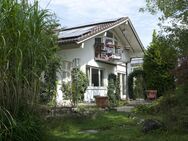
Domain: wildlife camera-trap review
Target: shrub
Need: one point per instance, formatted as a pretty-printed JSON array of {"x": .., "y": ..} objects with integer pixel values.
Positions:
[
  {"x": 174, "y": 109},
  {"x": 80, "y": 82},
  {"x": 147, "y": 108},
  {"x": 75, "y": 90},
  {"x": 111, "y": 93},
  {"x": 159, "y": 59}
]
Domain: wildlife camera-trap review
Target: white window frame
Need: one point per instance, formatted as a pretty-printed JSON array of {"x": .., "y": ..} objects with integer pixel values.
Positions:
[{"x": 89, "y": 74}]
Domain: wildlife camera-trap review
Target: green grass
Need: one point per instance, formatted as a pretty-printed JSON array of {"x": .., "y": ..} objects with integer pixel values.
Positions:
[{"x": 112, "y": 126}]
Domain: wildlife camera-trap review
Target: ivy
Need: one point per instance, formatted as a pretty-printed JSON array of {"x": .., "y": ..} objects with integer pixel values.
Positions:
[
  {"x": 75, "y": 90},
  {"x": 48, "y": 87},
  {"x": 113, "y": 89}
]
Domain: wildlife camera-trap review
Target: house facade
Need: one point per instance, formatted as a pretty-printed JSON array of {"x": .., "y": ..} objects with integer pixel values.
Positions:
[{"x": 98, "y": 50}]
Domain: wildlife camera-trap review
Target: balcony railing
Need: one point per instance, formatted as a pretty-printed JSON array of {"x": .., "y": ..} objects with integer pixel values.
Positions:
[{"x": 108, "y": 53}]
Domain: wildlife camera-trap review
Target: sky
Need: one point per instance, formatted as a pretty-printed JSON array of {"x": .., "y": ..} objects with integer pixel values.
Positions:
[{"x": 79, "y": 12}]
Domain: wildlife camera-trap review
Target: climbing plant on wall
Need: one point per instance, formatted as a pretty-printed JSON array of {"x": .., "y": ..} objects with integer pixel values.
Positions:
[{"x": 113, "y": 89}]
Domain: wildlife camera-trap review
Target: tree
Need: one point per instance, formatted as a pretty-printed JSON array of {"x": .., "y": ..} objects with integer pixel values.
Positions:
[
  {"x": 175, "y": 11},
  {"x": 159, "y": 60},
  {"x": 173, "y": 105}
]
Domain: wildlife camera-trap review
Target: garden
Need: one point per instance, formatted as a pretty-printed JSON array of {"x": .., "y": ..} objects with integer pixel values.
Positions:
[
  {"x": 28, "y": 46},
  {"x": 107, "y": 126}
]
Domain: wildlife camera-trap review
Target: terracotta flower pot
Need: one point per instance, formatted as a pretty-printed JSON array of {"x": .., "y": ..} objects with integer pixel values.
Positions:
[
  {"x": 101, "y": 101},
  {"x": 151, "y": 94}
]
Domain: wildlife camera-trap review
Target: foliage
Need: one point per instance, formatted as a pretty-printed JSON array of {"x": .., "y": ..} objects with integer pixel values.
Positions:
[
  {"x": 26, "y": 127},
  {"x": 176, "y": 9},
  {"x": 48, "y": 87},
  {"x": 176, "y": 12},
  {"x": 181, "y": 72},
  {"x": 111, "y": 126},
  {"x": 139, "y": 88},
  {"x": 174, "y": 108},
  {"x": 159, "y": 60},
  {"x": 111, "y": 92},
  {"x": 135, "y": 73},
  {"x": 27, "y": 44},
  {"x": 67, "y": 90},
  {"x": 171, "y": 107},
  {"x": 75, "y": 90},
  {"x": 151, "y": 108},
  {"x": 174, "y": 104},
  {"x": 7, "y": 124},
  {"x": 113, "y": 89},
  {"x": 117, "y": 88}
]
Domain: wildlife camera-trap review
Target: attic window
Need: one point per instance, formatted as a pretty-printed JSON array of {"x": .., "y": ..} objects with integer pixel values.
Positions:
[
  {"x": 109, "y": 34},
  {"x": 98, "y": 40}
]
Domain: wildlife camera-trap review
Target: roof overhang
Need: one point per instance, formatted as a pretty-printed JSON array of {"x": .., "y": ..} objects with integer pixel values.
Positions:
[{"x": 122, "y": 21}]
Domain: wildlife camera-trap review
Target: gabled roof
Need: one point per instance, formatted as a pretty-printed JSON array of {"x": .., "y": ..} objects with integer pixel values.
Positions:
[{"x": 81, "y": 33}]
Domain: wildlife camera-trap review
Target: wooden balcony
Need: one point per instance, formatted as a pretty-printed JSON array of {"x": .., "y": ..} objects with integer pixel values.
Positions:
[{"x": 108, "y": 53}]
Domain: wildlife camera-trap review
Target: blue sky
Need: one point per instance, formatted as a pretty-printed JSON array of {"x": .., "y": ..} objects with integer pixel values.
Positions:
[{"x": 77, "y": 12}]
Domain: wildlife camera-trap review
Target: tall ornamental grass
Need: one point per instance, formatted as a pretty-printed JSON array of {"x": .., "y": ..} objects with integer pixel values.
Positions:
[{"x": 27, "y": 45}]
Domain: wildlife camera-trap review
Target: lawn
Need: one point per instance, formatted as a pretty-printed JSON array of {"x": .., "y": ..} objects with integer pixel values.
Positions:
[{"x": 111, "y": 126}]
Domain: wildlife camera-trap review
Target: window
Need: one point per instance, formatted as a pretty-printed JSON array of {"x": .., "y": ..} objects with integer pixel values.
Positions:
[
  {"x": 109, "y": 34},
  {"x": 95, "y": 76},
  {"x": 98, "y": 40},
  {"x": 66, "y": 69}
]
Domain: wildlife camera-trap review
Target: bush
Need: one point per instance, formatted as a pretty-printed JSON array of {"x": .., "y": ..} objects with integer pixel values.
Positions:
[
  {"x": 147, "y": 109},
  {"x": 174, "y": 109},
  {"x": 75, "y": 90},
  {"x": 111, "y": 93}
]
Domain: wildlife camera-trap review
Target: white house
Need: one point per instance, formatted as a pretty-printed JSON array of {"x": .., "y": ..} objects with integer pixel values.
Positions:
[{"x": 99, "y": 49}]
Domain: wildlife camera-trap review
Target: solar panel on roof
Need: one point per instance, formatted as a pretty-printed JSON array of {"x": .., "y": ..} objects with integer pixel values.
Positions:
[{"x": 75, "y": 32}]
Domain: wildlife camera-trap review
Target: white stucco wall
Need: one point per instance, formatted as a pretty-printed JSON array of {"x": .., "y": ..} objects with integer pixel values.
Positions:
[{"x": 86, "y": 54}]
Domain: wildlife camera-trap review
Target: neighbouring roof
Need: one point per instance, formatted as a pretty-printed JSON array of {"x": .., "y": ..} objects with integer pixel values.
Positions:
[{"x": 81, "y": 33}]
